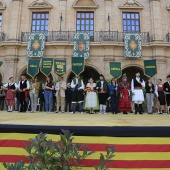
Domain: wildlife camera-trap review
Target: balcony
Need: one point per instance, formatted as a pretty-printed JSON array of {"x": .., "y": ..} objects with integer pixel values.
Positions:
[
  {"x": 96, "y": 36},
  {"x": 168, "y": 37}
]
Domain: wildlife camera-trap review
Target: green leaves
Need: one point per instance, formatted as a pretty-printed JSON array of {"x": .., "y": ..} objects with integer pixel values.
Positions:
[{"x": 62, "y": 155}]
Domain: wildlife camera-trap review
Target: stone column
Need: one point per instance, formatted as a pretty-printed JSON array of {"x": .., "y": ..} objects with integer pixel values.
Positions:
[
  {"x": 14, "y": 22},
  {"x": 156, "y": 21}
]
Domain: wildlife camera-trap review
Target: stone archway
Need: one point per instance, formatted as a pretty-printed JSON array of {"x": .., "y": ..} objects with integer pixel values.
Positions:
[
  {"x": 88, "y": 73},
  {"x": 131, "y": 71},
  {"x": 40, "y": 75}
]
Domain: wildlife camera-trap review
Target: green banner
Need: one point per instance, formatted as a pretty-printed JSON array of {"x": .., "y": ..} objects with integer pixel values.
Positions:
[
  {"x": 33, "y": 67},
  {"x": 36, "y": 44},
  {"x": 1, "y": 62},
  {"x": 150, "y": 67},
  {"x": 60, "y": 67},
  {"x": 133, "y": 45},
  {"x": 82, "y": 44},
  {"x": 46, "y": 65},
  {"x": 115, "y": 69},
  {"x": 77, "y": 65}
]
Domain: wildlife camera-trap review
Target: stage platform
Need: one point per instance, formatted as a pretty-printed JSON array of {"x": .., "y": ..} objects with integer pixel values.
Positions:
[{"x": 141, "y": 141}]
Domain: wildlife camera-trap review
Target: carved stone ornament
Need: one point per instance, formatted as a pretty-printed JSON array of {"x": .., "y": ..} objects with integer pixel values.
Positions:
[
  {"x": 168, "y": 7},
  {"x": 2, "y": 5},
  {"x": 85, "y": 4},
  {"x": 40, "y": 4},
  {"x": 131, "y": 4}
]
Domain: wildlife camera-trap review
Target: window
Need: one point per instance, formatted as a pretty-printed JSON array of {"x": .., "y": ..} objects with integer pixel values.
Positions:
[
  {"x": 131, "y": 22},
  {"x": 40, "y": 22},
  {"x": 0, "y": 20},
  {"x": 85, "y": 22}
]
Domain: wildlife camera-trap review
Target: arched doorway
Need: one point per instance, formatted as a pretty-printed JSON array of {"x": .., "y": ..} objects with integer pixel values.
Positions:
[
  {"x": 131, "y": 71},
  {"x": 40, "y": 75},
  {"x": 86, "y": 74}
]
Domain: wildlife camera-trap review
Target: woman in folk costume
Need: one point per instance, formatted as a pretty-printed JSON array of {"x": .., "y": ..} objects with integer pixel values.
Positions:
[
  {"x": 103, "y": 89},
  {"x": 114, "y": 89},
  {"x": 78, "y": 97},
  {"x": 125, "y": 102},
  {"x": 11, "y": 88},
  {"x": 34, "y": 90},
  {"x": 160, "y": 97},
  {"x": 167, "y": 93},
  {"x": 91, "y": 101},
  {"x": 150, "y": 89},
  {"x": 137, "y": 93}
]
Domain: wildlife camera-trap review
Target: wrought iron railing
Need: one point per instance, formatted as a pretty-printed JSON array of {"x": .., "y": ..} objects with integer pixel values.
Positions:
[
  {"x": 96, "y": 36},
  {"x": 168, "y": 37}
]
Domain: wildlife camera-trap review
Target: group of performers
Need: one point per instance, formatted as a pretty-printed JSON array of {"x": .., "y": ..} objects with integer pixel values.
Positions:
[{"x": 118, "y": 97}]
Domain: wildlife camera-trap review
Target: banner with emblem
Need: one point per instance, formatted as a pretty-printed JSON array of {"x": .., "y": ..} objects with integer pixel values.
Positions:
[
  {"x": 133, "y": 45},
  {"x": 77, "y": 65},
  {"x": 60, "y": 67},
  {"x": 33, "y": 67},
  {"x": 36, "y": 44},
  {"x": 46, "y": 65},
  {"x": 82, "y": 44},
  {"x": 115, "y": 69},
  {"x": 150, "y": 67}
]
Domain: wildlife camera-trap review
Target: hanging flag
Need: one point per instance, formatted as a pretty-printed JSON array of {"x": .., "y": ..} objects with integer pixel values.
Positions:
[
  {"x": 77, "y": 65},
  {"x": 33, "y": 67},
  {"x": 82, "y": 44},
  {"x": 1, "y": 62},
  {"x": 133, "y": 45},
  {"x": 150, "y": 67},
  {"x": 115, "y": 69},
  {"x": 36, "y": 44},
  {"x": 60, "y": 67},
  {"x": 46, "y": 65}
]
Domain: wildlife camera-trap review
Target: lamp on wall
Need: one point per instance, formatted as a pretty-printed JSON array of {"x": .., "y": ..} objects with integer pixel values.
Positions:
[
  {"x": 108, "y": 18},
  {"x": 61, "y": 19}
]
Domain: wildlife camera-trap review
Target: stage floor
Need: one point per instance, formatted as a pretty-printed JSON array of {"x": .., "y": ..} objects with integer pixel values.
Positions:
[{"x": 77, "y": 119}]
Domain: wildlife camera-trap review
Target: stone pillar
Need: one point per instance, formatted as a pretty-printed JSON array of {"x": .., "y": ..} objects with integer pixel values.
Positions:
[
  {"x": 14, "y": 22},
  {"x": 156, "y": 21}
]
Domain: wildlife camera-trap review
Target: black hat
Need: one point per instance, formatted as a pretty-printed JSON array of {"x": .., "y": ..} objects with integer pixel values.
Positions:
[
  {"x": 101, "y": 75},
  {"x": 168, "y": 76}
]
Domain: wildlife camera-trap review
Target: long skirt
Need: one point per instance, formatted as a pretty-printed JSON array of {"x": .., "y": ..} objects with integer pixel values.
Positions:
[
  {"x": 91, "y": 101},
  {"x": 10, "y": 98},
  {"x": 125, "y": 102}
]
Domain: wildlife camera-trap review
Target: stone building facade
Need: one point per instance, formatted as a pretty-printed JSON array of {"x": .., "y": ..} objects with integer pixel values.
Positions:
[{"x": 106, "y": 25}]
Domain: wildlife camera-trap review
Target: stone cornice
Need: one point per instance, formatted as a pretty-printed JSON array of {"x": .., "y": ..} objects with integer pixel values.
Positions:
[
  {"x": 40, "y": 4},
  {"x": 131, "y": 4},
  {"x": 2, "y": 5},
  {"x": 85, "y": 4},
  {"x": 154, "y": 0}
]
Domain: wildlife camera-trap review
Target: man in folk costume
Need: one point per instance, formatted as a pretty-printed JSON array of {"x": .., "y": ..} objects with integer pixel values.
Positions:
[
  {"x": 125, "y": 102},
  {"x": 10, "y": 95},
  {"x": 167, "y": 93},
  {"x": 137, "y": 93},
  {"x": 60, "y": 88},
  {"x": 78, "y": 97},
  {"x": 103, "y": 89},
  {"x": 23, "y": 87}
]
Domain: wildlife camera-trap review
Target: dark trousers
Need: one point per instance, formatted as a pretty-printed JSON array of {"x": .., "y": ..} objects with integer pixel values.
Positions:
[
  {"x": 2, "y": 103},
  {"x": 23, "y": 102},
  {"x": 68, "y": 105},
  {"x": 114, "y": 104}
]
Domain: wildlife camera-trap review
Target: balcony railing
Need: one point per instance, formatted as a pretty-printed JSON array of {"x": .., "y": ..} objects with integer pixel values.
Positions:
[
  {"x": 96, "y": 36},
  {"x": 2, "y": 36},
  {"x": 168, "y": 37}
]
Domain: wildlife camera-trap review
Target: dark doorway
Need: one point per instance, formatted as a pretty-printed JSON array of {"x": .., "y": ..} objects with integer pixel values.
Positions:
[
  {"x": 131, "y": 71},
  {"x": 89, "y": 72}
]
